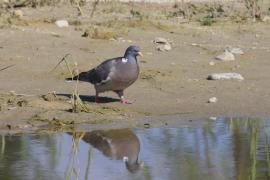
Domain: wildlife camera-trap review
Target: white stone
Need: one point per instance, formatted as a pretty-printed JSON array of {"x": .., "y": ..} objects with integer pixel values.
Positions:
[
  {"x": 226, "y": 56},
  {"x": 62, "y": 23},
  {"x": 195, "y": 44},
  {"x": 213, "y": 118},
  {"x": 212, "y": 63},
  {"x": 160, "y": 40},
  {"x": 167, "y": 47},
  {"x": 225, "y": 76},
  {"x": 162, "y": 44},
  {"x": 164, "y": 47},
  {"x": 18, "y": 13},
  {"x": 266, "y": 19},
  {"x": 235, "y": 50},
  {"x": 212, "y": 100}
]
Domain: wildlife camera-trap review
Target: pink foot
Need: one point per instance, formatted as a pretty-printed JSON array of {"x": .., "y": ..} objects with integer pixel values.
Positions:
[{"x": 126, "y": 101}]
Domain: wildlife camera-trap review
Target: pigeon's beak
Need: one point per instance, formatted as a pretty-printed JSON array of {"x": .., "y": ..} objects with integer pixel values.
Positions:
[{"x": 140, "y": 54}]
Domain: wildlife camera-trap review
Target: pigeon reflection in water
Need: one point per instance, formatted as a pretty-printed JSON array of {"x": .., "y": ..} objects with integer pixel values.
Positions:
[{"x": 121, "y": 144}]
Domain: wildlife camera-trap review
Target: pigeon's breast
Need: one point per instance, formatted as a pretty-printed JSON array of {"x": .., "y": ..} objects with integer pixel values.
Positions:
[{"x": 125, "y": 72}]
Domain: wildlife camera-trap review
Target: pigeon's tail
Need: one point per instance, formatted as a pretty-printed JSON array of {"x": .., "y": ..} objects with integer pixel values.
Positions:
[{"x": 84, "y": 76}]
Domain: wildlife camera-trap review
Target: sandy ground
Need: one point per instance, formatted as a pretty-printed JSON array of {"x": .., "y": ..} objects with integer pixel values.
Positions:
[{"x": 172, "y": 85}]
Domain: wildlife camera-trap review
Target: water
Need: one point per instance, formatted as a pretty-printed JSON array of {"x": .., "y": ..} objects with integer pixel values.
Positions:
[{"x": 222, "y": 149}]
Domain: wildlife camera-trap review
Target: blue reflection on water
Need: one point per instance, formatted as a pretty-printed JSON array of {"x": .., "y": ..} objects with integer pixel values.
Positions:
[{"x": 222, "y": 149}]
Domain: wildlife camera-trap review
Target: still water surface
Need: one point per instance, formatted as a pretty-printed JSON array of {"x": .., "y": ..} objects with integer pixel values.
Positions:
[{"x": 222, "y": 149}]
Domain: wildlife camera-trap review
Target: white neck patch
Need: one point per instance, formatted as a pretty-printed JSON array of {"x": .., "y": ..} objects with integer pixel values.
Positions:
[{"x": 124, "y": 60}]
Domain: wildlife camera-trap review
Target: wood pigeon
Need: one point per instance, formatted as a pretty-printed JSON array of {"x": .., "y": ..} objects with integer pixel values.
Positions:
[{"x": 114, "y": 74}]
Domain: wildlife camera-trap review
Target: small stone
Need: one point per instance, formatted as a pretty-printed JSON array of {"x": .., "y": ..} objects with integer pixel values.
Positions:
[
  {"x": 257, "y": 36},
  {"x": 266, "y": 19},
  {"x": 213, "y": 118},
  {"x": 226, "y": 56},
  {"x": 62, "y": 23},
  {"x": 160, "y": 40},
  {"x": 225, "y": 76},
  {"x": 212, "y": 100},
  {"x": 112, "y": 39},
  {"x": 12, "y": 108},
  {"x": 235, "y": 51},
  {"x": 165, "y": 47},
  {"x": 146, "y": 125},
  {"x": 195, "y": 44},
  {"x": 212, "y": 63},
  {"x": 86, "y": 34},
  {"x": 18, "y": 13},
  {"x": 162, "y": 44}
]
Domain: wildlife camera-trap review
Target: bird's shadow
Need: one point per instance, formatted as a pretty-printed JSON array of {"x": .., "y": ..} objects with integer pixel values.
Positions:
[{"x": 92, "y": 98}]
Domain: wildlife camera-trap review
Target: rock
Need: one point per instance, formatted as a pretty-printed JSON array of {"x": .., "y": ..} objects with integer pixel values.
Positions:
[
  {"x": 50, "y": 97},
  {"x": 18, "y": 13},
  {"x": 226, "y": 56},
  {"x": 194, "y": 44},
  {"x": 62, "y": 23},
  {"x": 146, "y": 125},
  {"x": 213, "y": 118},
  {"x": 165, "y": 47},
  {"x": 225, "y": 76},
  {"x": 86, "y": 34},
  {"x": 235, "y": 50},
  {"x": 162, "y": 44},
  {"x": 212, "y": 100},
  {"x": 266, "y": 19},
  {"x": 160, "y": 40},
  {"x": 212, "y": 63}
]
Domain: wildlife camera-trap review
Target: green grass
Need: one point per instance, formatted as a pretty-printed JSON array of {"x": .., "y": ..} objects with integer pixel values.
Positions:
[{"x": 207, "y": 21}]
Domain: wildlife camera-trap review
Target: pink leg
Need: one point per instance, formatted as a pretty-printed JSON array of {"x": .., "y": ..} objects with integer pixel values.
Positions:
[{"x": 97, "y": 98}]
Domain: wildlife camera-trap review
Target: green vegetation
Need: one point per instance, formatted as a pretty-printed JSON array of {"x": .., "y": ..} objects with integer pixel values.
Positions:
[{"x": 207, "y": 21}]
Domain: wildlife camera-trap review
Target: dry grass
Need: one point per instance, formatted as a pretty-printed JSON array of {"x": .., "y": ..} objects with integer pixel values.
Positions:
[
  {"x": 100, "y": 33},
  {"x": 76, "y": 102}
]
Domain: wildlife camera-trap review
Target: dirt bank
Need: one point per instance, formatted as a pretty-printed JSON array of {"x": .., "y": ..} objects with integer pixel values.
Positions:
[{"x": 172, "y": 83}]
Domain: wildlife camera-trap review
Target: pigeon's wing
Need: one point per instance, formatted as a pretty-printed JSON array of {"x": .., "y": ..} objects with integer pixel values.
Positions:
[{"x": 101, "y": 73}]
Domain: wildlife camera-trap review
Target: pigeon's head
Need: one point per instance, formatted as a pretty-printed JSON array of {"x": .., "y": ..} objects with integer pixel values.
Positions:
[{"x": 133, "y": 51}]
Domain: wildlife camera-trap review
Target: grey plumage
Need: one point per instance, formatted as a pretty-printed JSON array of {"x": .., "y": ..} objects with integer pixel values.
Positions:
[{"x": 114, "y": 74}]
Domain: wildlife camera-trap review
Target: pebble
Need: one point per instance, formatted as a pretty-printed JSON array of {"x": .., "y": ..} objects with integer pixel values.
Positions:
[
  {"x": 194, "y": 44},
  {"x": 212, "y": 63},
  {"x": 163, "y": 47},
  {"x": 235, "y": 51},
  {"x": 266, "y": 19},
  {"x": 62, "y": 23},
  {"x": 212, "y": 100},
  {"x": 162, "y": 44},
  {"x": 225, "y": 76},
  {"x": 146, "y": 125},
  {"x": 18, "y": 13},
  {"x": 213, "y": 118},
  {"x": 226, "y": 56},
  {"x": 160, "y": 40}
]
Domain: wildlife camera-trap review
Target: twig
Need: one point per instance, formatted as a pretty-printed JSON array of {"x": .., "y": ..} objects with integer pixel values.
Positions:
[
  {"x": 79, "y": 8},
  {"x": 95, "y": 3},
  {"x": 7, "y": 67},
  {"x": 63, "y": 59}
]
